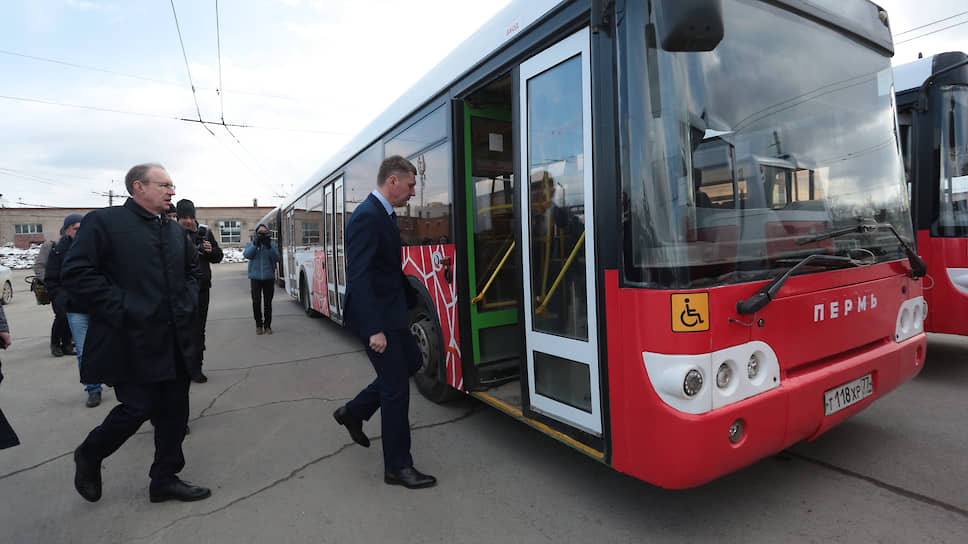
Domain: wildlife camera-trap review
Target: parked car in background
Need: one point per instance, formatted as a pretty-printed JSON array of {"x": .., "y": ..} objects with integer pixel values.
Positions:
[{"x": 6, "y": 288}]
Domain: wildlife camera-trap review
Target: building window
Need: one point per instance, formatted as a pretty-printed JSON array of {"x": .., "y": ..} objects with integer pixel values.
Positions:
[
  {"x": 230, "y": 231},
  {"x": 28, "y": 228},
  {"x": 310, "y": 233}
]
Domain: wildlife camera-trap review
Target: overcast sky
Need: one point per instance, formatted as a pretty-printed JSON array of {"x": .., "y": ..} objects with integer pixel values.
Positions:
[{"x": 308, "y": 73}]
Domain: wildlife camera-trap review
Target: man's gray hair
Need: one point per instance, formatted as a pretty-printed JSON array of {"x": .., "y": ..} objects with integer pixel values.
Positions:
[{"x": 138, "y": 173}]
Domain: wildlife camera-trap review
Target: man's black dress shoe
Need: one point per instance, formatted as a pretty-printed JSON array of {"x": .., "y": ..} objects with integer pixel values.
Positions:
[
  {"x": 353, "y": 424},
  {"x": 409, "y": 477},
  {"x": 87, "y": 477},
  {"x": 199, "y": 378},
  {"x": 177, "y": 490}
]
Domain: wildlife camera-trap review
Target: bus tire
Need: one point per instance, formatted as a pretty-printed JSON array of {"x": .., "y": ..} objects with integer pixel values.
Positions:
[
  {"x": 304, "y": 298},
  {"x": 430, "y": 378}
]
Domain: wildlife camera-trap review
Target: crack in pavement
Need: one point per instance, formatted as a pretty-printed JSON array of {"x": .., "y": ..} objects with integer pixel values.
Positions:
[
  {"x": 40, "y": 464},
  {"x": 883, "y": 485},
  {"x": 303, "y": 399},
  {"x": 151, "y": 431},
  {"x": 473, "y": 409},
  {"x": 287, "y": 362},
  {"x": 224, "y": 391}
]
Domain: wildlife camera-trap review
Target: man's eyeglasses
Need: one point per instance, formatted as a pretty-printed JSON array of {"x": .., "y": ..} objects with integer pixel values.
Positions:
[{"x": 165, "y": 186}]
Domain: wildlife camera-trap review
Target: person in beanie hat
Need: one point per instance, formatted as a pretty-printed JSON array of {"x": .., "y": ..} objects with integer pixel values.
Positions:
[
  {"x": 172, "y": 211},
  {"x": 61, "y": 342},
  {"x": 208, "y": 254},
  {"x": 75, "y": 316}
]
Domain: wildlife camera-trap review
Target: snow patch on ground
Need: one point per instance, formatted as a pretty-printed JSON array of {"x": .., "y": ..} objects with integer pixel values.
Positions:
[{"x": 21, "y": 259}]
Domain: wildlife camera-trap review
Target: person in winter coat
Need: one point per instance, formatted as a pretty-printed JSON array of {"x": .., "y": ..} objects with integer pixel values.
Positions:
[
  {"x": 134, "y": 270},
  {"x": 208, "y": 254},
  {"x": 63, "y": 302},
  {"x": 8, "y": 438},
  {"x": 263, "y": 254},
  {"x": 60, "y": 332}
]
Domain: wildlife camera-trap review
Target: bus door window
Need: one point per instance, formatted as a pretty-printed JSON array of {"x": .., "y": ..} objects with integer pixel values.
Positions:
[{"x": 954, "y": 160}]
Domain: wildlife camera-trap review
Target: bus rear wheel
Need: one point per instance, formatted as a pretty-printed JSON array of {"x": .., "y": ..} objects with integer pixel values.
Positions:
[
  {"x": 7, "y": 293},
  {"x": 430, "y": 378},
  {"x": 307, "y": 304}
]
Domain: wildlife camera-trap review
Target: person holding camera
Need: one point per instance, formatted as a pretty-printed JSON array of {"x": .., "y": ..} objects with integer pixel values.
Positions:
[
  {"x": 208, "y": 254},
  {"x": 263, "y": 255}
]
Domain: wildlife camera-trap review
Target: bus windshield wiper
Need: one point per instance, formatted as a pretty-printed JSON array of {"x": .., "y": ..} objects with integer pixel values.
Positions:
[
  {"x": 766, "y": 293},
  {"x": 868, "y": 224}
]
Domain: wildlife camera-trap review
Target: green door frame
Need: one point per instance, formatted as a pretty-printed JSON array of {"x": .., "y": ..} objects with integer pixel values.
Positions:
[{"x": 479, "y": 320}]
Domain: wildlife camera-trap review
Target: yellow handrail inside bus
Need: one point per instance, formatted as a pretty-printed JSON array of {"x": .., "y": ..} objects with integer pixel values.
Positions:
[
  {"x": 544, "y": 300},
  {"x": 496, "y": 207},
  {"x": 487, "y": 286}
]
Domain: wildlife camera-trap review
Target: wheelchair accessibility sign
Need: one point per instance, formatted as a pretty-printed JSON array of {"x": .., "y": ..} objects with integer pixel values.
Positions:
[{"x": 690, "y": 312}]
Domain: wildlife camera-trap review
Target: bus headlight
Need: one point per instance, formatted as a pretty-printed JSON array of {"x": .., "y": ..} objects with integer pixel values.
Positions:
[
  {"x": 693, "y": 383},
  {"x": 723, "y": 376},
  {"x": 752, "y": 367}
]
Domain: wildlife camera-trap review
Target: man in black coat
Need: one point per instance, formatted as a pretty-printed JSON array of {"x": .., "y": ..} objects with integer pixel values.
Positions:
[
  {"x": 134, "y": 270},
  {"x": 209, "y": 253},
  {"x": 64, "y": 303},
  {"x": 377, "y": 298}
]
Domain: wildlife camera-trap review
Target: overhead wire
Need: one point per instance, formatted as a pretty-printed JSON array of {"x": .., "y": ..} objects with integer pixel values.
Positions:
[
  {"x": 218, "y": 45},
  {"x": 188, "y": 68},
  {"x": 29, "y": 177},
  {"x": 166, "y": 117},
  {"x": 135, "y": 76},
  {"x": 931, "y": 23},
  {"x": 218, "y": 42},
  {"x": 930, "y": 33}
]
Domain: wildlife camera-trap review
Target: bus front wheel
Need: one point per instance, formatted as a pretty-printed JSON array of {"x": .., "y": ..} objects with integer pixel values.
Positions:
[{"x": 430, "y": 378}]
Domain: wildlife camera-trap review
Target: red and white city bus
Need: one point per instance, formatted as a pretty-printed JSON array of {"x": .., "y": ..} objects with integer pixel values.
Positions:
[
  {"x": 932, "y": 106},
  {"x": 671, "y": 234}
]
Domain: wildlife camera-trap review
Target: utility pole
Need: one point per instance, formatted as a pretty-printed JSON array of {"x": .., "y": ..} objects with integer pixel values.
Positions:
[{"x": 110, "y": 194}]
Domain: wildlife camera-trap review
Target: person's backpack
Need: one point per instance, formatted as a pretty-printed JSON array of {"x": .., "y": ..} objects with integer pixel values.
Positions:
[{"x": 39, "y": 290}]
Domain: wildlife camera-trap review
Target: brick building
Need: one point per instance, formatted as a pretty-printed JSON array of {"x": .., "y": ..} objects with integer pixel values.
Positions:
[{"x": 232, "y": 226}]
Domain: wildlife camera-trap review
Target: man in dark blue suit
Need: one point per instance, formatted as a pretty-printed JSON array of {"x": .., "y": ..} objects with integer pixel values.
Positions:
[{"x": 377, "y": 298}]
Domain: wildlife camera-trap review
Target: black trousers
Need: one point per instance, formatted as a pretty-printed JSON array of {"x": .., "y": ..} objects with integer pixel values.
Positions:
[
  {"x": 198, "y": 331},
  {"x": 390, "y": 393},
  {"x": 165, "y": 404},
  {"x": 60, "y": 331},
  {"x": 262, "y": 289}
]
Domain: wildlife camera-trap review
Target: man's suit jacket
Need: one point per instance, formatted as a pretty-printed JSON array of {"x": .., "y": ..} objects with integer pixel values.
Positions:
[{"x": 377, "y": 292}]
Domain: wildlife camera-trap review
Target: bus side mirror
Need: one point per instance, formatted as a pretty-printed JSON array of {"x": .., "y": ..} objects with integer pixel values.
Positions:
[{"x": 689, "y": 25}]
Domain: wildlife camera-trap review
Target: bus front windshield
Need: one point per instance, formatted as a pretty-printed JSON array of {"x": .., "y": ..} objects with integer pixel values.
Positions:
[
  {"x": 953, "y": 219},
  {"x": 733, "y": 157}
]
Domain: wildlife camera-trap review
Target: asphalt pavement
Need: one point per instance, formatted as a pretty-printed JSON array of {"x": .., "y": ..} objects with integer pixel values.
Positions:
[{"x": 263, "y": 438}]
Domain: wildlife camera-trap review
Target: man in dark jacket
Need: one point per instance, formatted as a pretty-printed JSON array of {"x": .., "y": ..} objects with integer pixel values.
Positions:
[
  {"x": 64, "y": 303},
  {"x": 135, "y": 272},
  {"x": 377, "y": 298},
  {"x": 208, "y": 254}
]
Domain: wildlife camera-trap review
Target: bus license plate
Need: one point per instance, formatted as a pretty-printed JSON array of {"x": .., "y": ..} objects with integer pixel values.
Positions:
[{"x": 848, "y": 394}]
